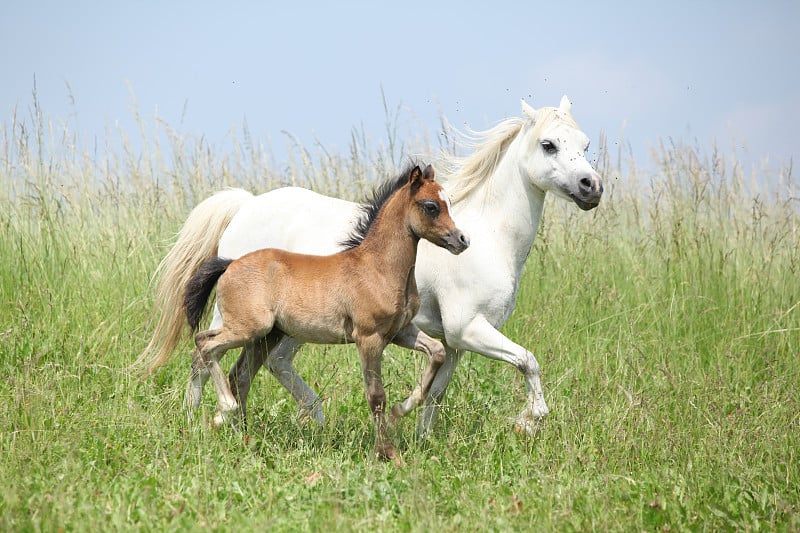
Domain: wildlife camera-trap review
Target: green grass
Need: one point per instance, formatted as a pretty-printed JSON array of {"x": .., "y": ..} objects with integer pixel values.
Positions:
[{"x": 667, "y": 324}]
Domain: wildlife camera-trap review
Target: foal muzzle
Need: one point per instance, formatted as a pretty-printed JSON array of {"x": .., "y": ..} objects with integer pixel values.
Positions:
[{"x": 456, "y": 241}]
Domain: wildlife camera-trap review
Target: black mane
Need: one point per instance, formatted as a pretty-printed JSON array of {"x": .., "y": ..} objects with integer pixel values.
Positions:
[{"x": 372, "y": 205}]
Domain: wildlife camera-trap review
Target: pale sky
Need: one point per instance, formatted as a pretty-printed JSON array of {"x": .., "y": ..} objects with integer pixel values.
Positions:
[{"x": 693, "y": 71}]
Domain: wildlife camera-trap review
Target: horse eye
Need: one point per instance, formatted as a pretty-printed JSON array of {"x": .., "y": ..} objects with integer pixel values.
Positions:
[
  {"x": 549, "y": 147},
  {"x": 431, "y": 209}
]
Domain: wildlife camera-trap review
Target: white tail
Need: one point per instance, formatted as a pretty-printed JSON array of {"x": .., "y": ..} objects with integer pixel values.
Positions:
[{"x": 197, "y": 241}]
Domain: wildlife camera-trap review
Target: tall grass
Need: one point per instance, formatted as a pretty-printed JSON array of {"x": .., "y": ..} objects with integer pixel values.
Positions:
[{"x": 666, "y": 323}]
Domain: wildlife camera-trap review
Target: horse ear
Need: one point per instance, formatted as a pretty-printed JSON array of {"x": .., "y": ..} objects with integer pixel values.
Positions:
[
  {"x": 528, "y": 110},
  {"x": 429, "y": 173},
  {"x": 415, "y": 179},
  {"x": 565, "y": 106}
]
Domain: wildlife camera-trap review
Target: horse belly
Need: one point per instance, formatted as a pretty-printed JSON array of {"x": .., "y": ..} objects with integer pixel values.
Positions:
[
  {"x": 315, "y": 333},
  {"x": 316, "y": 324}
]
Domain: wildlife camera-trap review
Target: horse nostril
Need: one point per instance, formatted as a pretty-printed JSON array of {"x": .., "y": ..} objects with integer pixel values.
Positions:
[
  {"x": 464, "y": 240},
  {"x": 586, "y": 183}
]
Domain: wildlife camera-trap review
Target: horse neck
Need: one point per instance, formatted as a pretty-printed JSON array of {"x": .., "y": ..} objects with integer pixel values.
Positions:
[
  {"x": 509, "y": 206},
  {"x": 390, "y": 242}
]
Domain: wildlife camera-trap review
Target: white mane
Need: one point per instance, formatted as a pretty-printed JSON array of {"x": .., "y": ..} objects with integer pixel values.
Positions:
[{"x": 462, "y": 175}]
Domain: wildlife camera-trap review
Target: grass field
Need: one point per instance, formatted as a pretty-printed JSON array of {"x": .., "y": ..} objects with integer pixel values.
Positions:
[{"x": 667, "y": 324}]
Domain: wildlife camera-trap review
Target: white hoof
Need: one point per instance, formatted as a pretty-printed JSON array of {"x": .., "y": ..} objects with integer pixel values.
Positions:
[
  {"x": 225, "y": 418},
  {"x": 530, "y": 421}
]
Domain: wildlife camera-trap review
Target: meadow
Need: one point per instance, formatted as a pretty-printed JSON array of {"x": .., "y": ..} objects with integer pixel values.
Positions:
[{"x": 666, "y": 322}]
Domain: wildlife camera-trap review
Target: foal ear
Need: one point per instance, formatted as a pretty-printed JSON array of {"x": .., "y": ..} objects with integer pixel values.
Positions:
[
  {"x": 429, "y": 173},
  {"x": 415, "y": 179}
]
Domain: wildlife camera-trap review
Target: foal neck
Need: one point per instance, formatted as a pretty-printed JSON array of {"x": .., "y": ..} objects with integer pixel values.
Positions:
[{"x": 390, "y": 241}]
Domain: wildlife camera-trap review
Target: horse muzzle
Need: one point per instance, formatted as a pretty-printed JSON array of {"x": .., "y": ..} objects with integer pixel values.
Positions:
[
  {"x": 590, "y": 190},
  {"x": 456, "y": 241}
]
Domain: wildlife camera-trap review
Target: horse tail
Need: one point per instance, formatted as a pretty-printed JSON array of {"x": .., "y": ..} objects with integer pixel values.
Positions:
[
  {"x": 197, "y": 241},
  {"x": 199, "y": 289}
]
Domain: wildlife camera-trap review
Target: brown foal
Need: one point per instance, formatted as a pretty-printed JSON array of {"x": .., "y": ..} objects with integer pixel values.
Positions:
[{"x": 365, "y": 294}]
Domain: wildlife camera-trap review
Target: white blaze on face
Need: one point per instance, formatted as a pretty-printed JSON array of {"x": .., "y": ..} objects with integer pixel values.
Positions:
[{"x": 446, "y": 201}]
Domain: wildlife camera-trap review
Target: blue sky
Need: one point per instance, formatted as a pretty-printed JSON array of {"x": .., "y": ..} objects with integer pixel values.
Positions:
[{"x": 696, "y": 71}]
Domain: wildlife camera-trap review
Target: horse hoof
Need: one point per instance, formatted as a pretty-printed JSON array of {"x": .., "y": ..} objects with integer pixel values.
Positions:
[
  {"x": 528, "y": 426},
  {"x": 226, "y": 418},
  {"x": 218, "y": 421}
]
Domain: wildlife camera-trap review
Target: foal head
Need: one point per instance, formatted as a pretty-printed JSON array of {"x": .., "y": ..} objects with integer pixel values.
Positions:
[{"x": 429, "y": 212}]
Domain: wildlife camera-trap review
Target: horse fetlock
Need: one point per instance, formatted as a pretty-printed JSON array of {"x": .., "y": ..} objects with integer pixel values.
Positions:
[{"x": 529, "y": 366}]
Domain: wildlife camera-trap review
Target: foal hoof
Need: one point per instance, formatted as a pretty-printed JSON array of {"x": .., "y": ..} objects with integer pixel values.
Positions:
[
  {"x": 392, "y": 457},
  {"x": 389, "y": 454}
]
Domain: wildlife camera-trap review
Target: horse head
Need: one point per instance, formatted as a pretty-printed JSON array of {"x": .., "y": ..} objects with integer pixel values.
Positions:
[
  {"x": 430, "y": 216},
  {"x": 554, "y": 155}
]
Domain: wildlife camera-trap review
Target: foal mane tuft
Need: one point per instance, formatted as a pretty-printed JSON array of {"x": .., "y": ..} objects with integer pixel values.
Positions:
[{"x": 372, "y": 205}]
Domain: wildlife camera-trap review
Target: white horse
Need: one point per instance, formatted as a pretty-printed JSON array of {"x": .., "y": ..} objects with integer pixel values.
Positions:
[{"x": 497, "y": 194}]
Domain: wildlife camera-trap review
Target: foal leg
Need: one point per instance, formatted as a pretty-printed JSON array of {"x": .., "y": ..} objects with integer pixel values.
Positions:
[
  {"x": 370, "y": 349},
  {"x": 244, "y": 370},
  {"x": 241, "y": 376},
  {"x": 250, "y": 360},
  {"x": 211, "y": 344},
  {"x": 414, "y": 338}
]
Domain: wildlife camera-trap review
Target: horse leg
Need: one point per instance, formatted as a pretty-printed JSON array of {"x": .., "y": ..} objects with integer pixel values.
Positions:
[
  {"x": 198, "y": 377},
  {"x": 278, "y": 351},
  {"x": 370, "y": 350},
  {"x": 279, "y": 363},
  {"x": 412, "y": 337},
  {"x": 439, "y": 386},
  {"x": 481, "y": 337}
]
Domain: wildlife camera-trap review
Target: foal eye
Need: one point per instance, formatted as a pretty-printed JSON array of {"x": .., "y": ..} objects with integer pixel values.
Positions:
[
  {"x": 431, "y": 209},
  {"x": 549, "y": 147}
]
